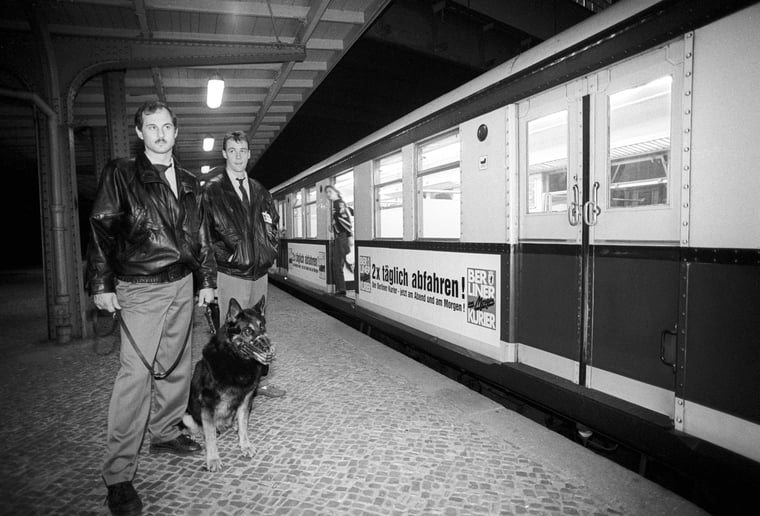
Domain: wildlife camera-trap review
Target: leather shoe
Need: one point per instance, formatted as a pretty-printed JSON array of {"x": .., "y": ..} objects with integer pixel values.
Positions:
[
  {"x": 180, "y": 445},
  {"x": 123, "y": 500},
  {"x": 270, "y": 391}
]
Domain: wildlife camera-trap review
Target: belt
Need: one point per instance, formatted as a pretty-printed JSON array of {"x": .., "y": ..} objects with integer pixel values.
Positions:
[{"x": 171, "y": 273}]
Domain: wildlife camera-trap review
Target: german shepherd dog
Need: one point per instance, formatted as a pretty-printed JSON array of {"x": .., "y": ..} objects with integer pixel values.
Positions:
[{"x": 225, "y": 379}]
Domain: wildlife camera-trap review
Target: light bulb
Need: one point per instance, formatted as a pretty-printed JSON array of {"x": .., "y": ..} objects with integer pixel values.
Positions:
[{"x": 215, "y": 91}]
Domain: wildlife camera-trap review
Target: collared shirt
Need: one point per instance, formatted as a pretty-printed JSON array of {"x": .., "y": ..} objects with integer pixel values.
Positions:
[
  {"x": 169, "y": 174},
  {"x": 234, "y": 179}
]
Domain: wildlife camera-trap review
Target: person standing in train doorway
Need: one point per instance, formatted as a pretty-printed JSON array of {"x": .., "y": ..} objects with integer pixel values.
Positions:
[
  {"x": 243, "y": 230},
  {"x": 148, "y": 237},
  {"x": 342, "y": 229}
]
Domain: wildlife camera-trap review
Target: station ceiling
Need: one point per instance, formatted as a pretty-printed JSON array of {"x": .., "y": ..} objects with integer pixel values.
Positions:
[{"x": 304, "y": 78}]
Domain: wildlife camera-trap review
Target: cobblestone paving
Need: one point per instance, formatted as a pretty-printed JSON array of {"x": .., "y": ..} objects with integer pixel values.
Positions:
[{"x": 351, "y": 437}]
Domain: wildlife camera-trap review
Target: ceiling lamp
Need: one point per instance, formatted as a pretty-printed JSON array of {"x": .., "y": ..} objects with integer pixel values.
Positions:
[
  {"x": 215, "y": 91},
  {"x": 205, "y": 169},
  {"x": 208, "y": 143}
]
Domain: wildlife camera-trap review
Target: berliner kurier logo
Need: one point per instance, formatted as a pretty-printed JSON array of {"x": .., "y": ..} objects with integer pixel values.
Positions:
[
  {"x": 481, "y": 297},
  {"x": 365, "y": 273}
]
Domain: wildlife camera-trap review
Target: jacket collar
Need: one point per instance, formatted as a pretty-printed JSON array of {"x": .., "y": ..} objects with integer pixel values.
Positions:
[
  {"x": 148, "y": 174},
  {"x": 145, "y": 169},
  {"x": 226, "y": 182}
]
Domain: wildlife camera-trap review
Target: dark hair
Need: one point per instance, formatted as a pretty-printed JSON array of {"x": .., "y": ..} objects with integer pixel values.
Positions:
[
  {"x": 331, "y": 187},
  {"x": 238, "y": 136},
  {"x": 149, "y": 107}
]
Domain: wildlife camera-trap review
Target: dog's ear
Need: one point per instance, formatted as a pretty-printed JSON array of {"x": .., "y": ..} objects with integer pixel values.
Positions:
[
  {"x": 260, "y": 306},
  {"x": 233, "y": 311}
]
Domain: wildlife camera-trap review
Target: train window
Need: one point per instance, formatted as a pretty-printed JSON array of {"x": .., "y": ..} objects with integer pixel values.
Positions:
[
  {"x": 282, "y": 224},
  {"x": 439, "y": 187},
  {"x": 311, "y": 212},
  {"x": 298, "y": 215},
  {"x": 344, "y": 183},
  {"x": 547, "y": 163},
  {"x": 639, "y": 151},
  {"x": 389, "y": 191}
]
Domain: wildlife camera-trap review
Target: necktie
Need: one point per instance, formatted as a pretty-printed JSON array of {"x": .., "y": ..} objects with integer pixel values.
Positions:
[
  {"x": 242, "y": 189},
  {"x": 162, "y": 170}
]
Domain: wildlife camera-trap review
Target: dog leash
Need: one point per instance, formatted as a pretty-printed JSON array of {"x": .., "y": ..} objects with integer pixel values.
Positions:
[
  {"x": 209, "y": 312},
  {"x": 159, "y": 373}
]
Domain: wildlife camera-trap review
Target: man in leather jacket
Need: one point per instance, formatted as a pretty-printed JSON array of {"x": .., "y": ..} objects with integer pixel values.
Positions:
[
  {"x": 243, "y": 231},
  {"x": 149, "y": 235}
]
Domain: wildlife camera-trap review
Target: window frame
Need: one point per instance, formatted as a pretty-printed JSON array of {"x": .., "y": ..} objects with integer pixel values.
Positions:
[
  {"x": 419, "y": 175},
  {"x": 376, "y": 187},
  {"x": 310, "y": 212},
  {"x": 298, "y": 206}
]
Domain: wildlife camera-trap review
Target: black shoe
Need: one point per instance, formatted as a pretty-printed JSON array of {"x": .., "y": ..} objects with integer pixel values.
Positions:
[
  {"x": 340, "y": 292},
  {"x": 270, "y": 391},
  {"x": 123, "y": 500},
  {"x": 180, "y": 445}
]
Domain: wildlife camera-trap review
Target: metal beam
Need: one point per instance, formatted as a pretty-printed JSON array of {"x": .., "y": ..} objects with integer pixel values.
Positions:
[
  {"x": 85, "y": 57},
  {"x": 158, "y": 83},
  {"x": 100, "y": 153},
  {"x": 142, "y": 18},
  {"x": 115, "y": 95},
  {"x": 169, "y": 36},
  {"x": 246, "y": 84},
  {"x": 256, "y": 9},
  {"x": 312, "y": 19},
  {"x": 130, "y": 54},
  {"x": 237, "y": 8},
  {"x": 60, "y": 226}
]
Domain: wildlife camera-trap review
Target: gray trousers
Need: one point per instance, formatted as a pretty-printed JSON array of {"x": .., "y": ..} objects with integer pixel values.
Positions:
[
  {"x": 245, "y": 292},
  {"x": 158, "y": 316}
]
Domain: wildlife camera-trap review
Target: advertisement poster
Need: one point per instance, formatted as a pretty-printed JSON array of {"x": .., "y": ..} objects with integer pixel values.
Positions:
[
  {"x": 457, "y": 293},
  {"x": 308, "y": 262}
]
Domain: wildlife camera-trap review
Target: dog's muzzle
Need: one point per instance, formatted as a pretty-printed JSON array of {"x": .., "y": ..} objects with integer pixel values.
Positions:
[{"x": 260, "y": 348}]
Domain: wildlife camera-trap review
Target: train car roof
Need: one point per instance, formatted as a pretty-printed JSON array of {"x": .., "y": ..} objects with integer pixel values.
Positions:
[{"x": 614, "y": 14}]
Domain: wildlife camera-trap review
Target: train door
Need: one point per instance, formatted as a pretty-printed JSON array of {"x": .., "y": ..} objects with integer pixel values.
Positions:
[
  {"x": 550, "y": 232},
  {"x": 344, "y": 183},
  {"x": 633, "y": 214},
  {"x": 598, "y": 291}
]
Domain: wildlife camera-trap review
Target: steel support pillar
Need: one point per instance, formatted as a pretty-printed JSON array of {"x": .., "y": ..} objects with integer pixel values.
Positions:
[
  {"x": 115, "y": 95},
  {"x": 100, "y": 149}
]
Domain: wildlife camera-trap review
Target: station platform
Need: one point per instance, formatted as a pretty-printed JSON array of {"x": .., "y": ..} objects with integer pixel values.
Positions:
[{"x": 363, "y": 430}]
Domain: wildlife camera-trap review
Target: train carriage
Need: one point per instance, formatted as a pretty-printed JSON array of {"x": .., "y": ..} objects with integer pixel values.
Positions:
[{"x": 579, "y": 226}]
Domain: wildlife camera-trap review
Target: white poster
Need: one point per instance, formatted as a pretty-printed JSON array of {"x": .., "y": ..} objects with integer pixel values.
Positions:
[
  {"x": 444, "y": 293},
  {"x": 308, "y": 262}
]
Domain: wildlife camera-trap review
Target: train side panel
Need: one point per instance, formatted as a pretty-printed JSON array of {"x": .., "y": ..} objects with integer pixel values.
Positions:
[
  {"x": 725, "y": 202},
  {"x": 484, "y": 178},
  {"x": 722, "y": 344}
]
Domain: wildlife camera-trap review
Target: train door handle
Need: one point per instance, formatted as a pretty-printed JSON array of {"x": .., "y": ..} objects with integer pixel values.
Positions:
[
  {"x": 668, "y": 343},
  {"x": 591, "y": 209},
  {"x": 574, "y": 211}
]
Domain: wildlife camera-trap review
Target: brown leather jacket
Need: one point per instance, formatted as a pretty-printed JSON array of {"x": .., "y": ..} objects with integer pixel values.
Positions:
[
  {"x": 142, "y": 232},
  {"x": 244, "y": 243}
]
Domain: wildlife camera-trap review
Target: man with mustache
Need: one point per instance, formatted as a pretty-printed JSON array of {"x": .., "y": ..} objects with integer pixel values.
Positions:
[{"x": 149, "y": 235}]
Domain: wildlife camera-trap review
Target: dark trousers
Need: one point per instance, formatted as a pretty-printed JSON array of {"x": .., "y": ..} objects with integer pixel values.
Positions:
[{"x": 340, "y": 250}]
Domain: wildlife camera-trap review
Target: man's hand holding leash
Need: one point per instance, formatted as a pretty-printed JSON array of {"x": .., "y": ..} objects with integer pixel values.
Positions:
[
  {"x": 205, "y": 296},
  {"x": 107, "y": 301}
]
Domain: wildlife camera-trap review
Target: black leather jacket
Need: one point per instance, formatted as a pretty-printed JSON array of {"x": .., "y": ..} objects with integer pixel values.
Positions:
[
  {"x": 244, "y": 243},
  {"x": 140, "y": 230}
]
